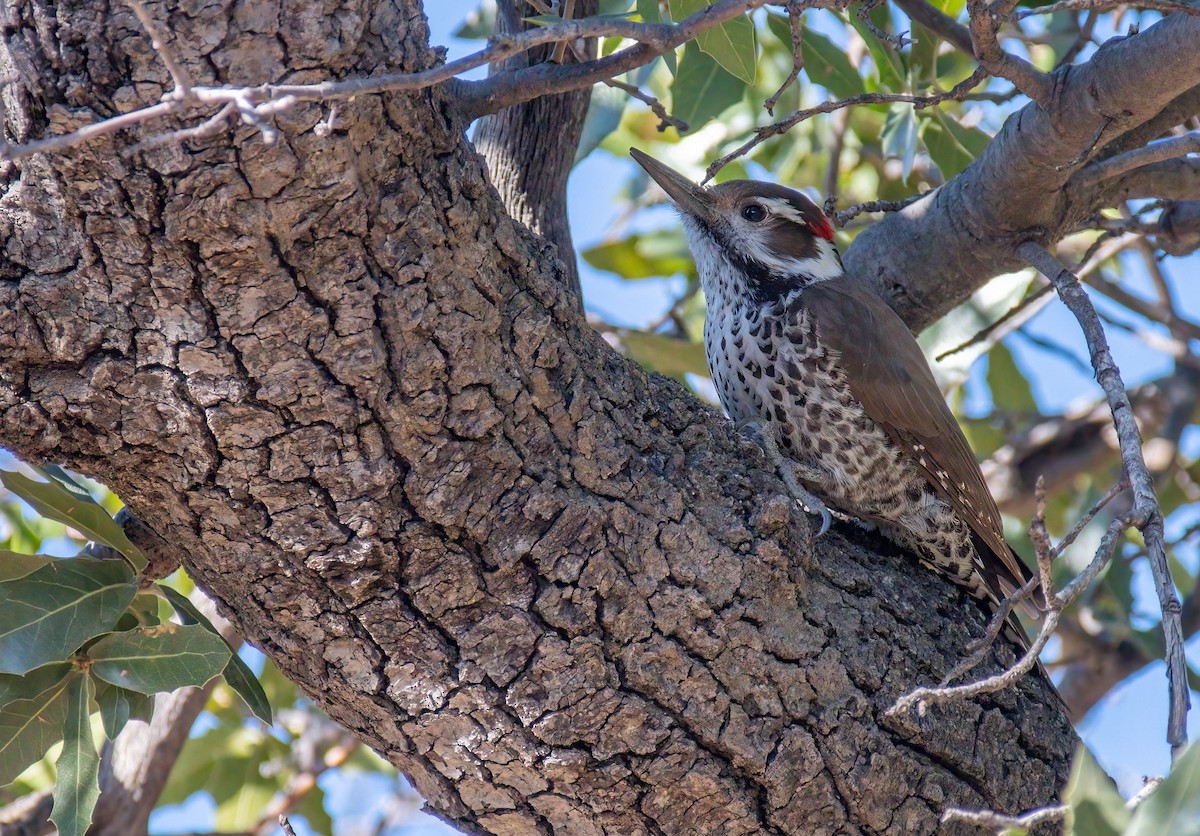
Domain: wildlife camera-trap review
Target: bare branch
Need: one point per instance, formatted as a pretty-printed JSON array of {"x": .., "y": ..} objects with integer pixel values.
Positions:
[
  {"x": 1146, "y": 513},
  {"x": 988, "y": 818},
  {"x": 985, "y": 22},
  {"x": 994, "y": 628},
  {"x": 1164, "y": 149},
  {"x": 896, "y": 42},
  {"x": 958, "y": 93},
  {"x": 1108, "y": 496},
  {"x": 665, "y": 119},
  {"x": 477, "y": 98},
  {"x": 183, "y": 83},
  {"x": 1177, "y": 179},
  {"x": 257, "y": 104},
  {"x": 795, "y": 14},
  {"x": 1012, "y": 319},
  {"x": 1164, "y": 6},
  {"x": 844, "y": 217},
  {"x": 937, "y": 21}
]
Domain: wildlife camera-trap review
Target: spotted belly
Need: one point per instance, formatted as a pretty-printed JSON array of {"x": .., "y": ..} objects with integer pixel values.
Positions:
[{"x": 798, "y": 394}]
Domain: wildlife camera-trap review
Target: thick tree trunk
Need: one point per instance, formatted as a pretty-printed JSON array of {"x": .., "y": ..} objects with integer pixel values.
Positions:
[
  {"x": 560, "y": 594},
  {"x": 530, "y": 148}
]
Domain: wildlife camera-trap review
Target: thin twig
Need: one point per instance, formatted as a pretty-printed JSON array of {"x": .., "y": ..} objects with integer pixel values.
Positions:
[
  {"x": 938, "y": 21},
  {"x": 209, "y": 127},
  {"x": 1146, "y": 513},
  {"x": 989, "y": 818},
  {"x": 850, "y": 213},
  {"x": 784, "y": 125},
  {"x": 1163, "y": 149},
  {"x": 795, "y": 22},
  {"x": 984, "y": 24},
  {"x": 665, "y": 120},
  {"x": 896, "y": 42},
  {"x": 560, "y": 49},
  {"x": 1013, "y": 318},
  {"x": 1165, "y": 6},
  {"x": 183, "y": 83},
  {"x": 981, "y": 648},
  {"x": 1108, "y": 496},
  {"x": 257, "y": 104}
]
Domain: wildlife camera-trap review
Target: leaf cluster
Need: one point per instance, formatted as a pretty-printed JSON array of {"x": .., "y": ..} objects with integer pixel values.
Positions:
[{"x": 81, "y": 636}]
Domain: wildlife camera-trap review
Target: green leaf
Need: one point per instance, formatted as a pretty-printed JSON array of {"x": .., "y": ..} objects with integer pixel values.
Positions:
[
  {"x": 51, "y": 499},
  {"x": 731, "y": 44},
  {"x": 951, "y": 7},
  {"x": 603, "y": 117},
  {"x": 28, "y": 728},
  {"x": 1174, "y": 807},
  {"x": 78, "y": 767},
  {"x": 237, "y": 674},
  {"x": 1010, "y": 387},
  {"x": 947, "y": 153},
  {"x": 53, "y": 471},
  {"x": 701, "y": 89},
  {"x": 250, "y": 793},
  {"x": 1095, "y": 806},
  {"x": 27, "y": 687},
  {"x": 120, "y": 705},
  {"x": 886, "y": 60},
  {"x": 826, "y": 64},
  {"x": 312, "y": 808},
  {"x": 50, "y": 613},
  {"x": 922, "y": 57},
  {"x": 14, "y": 565},
  {"x": 643, "y": 255},
  {"x": 648, "y": 11},
  {"x": 162, "y": 658},
  {"x": 665, "y": 355},
  {"x": 900, "y": 136}
]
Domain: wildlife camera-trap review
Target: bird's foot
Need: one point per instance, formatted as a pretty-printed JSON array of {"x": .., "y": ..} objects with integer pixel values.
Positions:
[{"x": 787, "y": 472}]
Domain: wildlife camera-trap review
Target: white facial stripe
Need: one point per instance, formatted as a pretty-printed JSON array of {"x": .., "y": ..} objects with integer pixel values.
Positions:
[
  {"x": 784, "y": 209},
  {"x": 825, "y": 265}
]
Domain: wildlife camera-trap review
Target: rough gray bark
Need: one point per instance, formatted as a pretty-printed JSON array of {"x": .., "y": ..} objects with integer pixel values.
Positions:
[
  {"x": 560, "y": 594},
  {"x": 530, "y": 148}
]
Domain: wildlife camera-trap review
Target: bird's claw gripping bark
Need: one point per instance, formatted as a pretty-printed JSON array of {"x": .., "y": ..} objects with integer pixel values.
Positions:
[{"x": 787, "y": 472}]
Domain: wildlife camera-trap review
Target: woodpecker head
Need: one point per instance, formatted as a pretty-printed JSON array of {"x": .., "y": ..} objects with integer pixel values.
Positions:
[{"x": 759, "y": 239}]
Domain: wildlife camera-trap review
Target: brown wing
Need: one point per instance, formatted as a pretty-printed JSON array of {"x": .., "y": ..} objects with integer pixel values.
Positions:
[{"x": 889, "y": 375}]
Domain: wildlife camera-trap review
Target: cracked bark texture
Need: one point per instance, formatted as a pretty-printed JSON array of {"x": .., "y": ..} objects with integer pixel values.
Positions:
[
  {"x": 530, "y": 148},
  {"x": 561, "y": 595}
]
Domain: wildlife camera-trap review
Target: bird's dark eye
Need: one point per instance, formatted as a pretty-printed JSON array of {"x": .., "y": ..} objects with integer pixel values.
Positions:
[{"x": 754, "y": 213}]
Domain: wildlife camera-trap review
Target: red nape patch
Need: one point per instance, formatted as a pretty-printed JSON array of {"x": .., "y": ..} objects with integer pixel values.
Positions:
[{"x": 822, "y": 227}]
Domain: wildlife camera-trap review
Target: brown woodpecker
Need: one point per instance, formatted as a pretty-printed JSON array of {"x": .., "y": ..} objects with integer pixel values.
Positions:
[{"x": 833, "y": 376}]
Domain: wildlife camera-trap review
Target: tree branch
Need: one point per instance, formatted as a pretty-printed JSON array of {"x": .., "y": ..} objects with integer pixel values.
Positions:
[
  {"x": 1145, "y": 514},
  {"x": 938, "y": 21},
  {"x": 477, "y": 98},
  {"x": 1163, "y": 149},
  {"x": 929, "y": 257},
  {"x": 1177, "y": 179},
  {"x": 1024, "y": 76},
  {"x": 1164, "y": 6},
  {"x": 473, "y": 99}
]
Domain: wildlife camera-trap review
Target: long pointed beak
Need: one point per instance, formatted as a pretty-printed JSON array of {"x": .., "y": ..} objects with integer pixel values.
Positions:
[{"x": 687, "y": 196}]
